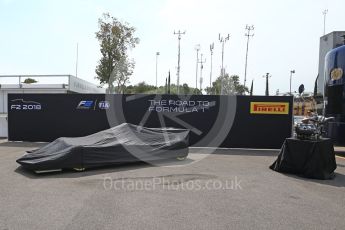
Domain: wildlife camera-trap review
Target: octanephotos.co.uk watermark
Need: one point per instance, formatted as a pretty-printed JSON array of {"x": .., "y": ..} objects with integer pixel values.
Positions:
[{"x": 162, "y": 183}]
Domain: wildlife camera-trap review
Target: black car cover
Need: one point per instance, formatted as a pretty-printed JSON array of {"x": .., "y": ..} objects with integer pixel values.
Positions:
[{"x": 120, "y": 144}]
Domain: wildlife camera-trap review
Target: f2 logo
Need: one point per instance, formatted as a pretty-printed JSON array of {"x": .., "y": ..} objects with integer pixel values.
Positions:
[{"x": 85, "y": 105}]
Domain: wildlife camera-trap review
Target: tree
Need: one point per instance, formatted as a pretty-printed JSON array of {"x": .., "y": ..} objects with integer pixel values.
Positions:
[
  {"x": 231, "y": 86},
  {"x": 29, "y": 81},
  {"x": 115, "y": 38},
  {"x": 144, "y": 88},
  {"x": 120, "y": 75},
  {"x": 169, "y": 84},
  {"x": 251, "y": 88},
  {"x": 267, "y": 90},
  {"x": 315, "y": 86},
  {"x": 185, "y": 89}
]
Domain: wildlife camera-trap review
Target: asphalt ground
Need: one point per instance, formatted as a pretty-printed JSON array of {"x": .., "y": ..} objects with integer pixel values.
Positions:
[{"x": 231, "y": 189}]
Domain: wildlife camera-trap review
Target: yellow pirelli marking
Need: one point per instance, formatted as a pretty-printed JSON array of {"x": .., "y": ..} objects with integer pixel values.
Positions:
[{"x": 269, "y": 107}]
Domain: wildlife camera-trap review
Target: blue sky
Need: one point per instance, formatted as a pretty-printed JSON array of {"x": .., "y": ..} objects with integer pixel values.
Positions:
[{"x": 40, "y": 37}]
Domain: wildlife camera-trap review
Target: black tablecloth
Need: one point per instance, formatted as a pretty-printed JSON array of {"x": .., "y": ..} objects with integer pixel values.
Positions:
[{"x": 311, "y": 159}]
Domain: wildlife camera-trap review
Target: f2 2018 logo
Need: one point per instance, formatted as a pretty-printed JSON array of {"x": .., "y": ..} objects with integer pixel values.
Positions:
[{"x": 20, "y": 104}]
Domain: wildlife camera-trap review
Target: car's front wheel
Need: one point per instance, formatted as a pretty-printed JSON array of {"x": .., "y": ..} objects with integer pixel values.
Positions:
[{"x": 79, "y": 169}]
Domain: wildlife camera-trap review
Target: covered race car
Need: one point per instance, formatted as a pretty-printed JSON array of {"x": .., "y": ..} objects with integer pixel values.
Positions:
[{"x": 124, "y": 143}]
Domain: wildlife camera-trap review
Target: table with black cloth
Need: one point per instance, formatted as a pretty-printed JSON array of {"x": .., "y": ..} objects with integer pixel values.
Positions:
[{"x": 307, "y": 158}]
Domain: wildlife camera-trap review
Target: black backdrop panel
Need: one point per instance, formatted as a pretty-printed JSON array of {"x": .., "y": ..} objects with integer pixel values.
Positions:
[
  {"x": 45, "y": 117},
  {"x": 259, "y": 130}
]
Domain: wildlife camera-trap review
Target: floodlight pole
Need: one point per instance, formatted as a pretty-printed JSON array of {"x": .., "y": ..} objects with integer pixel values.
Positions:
[
  {"x": 197, "y": 48},
  {"x": 291, "y": 72},
  {"x": 76, "y": 62},
  {"x": 201, "y": 67},
  {"x": 179, "y": 33},
  {"x": 248, "y": 35},
  {"x": 324, "y": 20},
  {"x": 211, "y": 50},
  {"x": 157, "y": 54},
  {"x": 222, "y": 40}
]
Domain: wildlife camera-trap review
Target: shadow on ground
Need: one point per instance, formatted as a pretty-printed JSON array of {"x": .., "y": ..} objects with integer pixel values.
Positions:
[
  {"x": 337, "y": 181},
  {"x": 69, "y": 173},
  {"x": 247, "y": 152},
  {"x": 340, "y": 153}
]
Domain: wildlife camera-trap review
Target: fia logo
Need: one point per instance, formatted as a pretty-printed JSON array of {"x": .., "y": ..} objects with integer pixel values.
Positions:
[{"x": 103, "y": 105}]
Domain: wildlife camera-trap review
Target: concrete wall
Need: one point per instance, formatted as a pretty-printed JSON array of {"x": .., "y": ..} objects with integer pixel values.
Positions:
[{"x": 3, "y": 125}]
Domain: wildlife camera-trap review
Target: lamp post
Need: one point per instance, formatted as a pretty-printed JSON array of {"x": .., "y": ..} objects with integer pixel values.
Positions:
[
  {"x": 291, "y": 72},
  {"x": 157, "y": 54}
]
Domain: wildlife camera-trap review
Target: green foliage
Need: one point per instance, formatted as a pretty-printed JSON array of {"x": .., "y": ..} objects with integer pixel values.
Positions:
[
  {"x": 29, "y": 81},
  {"x": 120, "y": 75},
  {"x": 115, "y": 38},
  {"x": 185, "y": 89},
  {"x": 231, "y": 86},
  {"x": 143, "y": 88}
]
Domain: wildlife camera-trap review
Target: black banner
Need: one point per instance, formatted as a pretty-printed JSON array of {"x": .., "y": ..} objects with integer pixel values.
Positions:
[{"x": 214, "y": 121}]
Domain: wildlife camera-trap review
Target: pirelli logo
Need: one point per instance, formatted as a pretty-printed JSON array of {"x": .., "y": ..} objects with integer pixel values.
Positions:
[{"x": 269, "y": 107}]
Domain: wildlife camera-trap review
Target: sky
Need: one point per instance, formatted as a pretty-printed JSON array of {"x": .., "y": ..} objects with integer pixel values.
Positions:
[{"x": 41, "y": 37}]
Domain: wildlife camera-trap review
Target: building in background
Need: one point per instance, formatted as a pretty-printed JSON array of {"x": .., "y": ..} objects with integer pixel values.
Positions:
[
  {"x": 301, "y": 105},
  {"x": 52, "y": 84}
]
